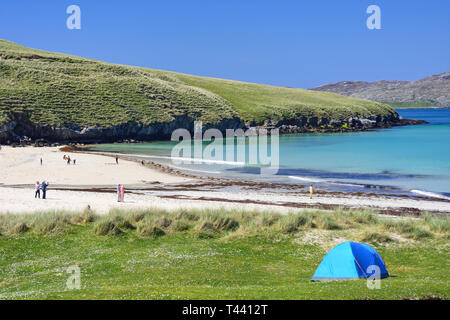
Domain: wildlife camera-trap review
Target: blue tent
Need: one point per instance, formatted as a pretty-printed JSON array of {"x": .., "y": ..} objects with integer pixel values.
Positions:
[{"x": 349, "y": 260}]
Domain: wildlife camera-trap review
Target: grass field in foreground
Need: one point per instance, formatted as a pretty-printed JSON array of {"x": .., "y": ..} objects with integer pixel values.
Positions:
[{"x": 154, "y": 254}]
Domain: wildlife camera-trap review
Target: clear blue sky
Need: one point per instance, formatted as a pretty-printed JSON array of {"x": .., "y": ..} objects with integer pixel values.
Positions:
[{"x": 286, "y": 43}]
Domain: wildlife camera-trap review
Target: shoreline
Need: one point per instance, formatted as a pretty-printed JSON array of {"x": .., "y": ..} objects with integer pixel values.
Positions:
[
  {"x": 284, "y": 129},
  {"x": 103, "y": 199},
  {"x": 402, "y": 194},
  {"x": 172, "y": 189}
]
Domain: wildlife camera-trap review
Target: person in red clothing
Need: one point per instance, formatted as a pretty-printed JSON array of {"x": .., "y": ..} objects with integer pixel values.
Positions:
[{"x": 122, "y": 193}]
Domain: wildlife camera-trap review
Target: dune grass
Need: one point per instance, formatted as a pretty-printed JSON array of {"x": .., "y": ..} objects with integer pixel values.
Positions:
[
  {"x": 56, "y": 89},
  {"x": 215, "y": 254}
]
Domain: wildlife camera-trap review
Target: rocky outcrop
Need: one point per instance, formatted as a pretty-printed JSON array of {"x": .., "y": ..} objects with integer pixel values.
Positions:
[
  {"x": 345, "y": 125},
  {"x": 21, "y": 130},
  {"x": 432, "y": 91}
]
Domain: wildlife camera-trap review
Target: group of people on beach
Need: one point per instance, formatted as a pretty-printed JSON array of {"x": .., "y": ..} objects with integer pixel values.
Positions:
[
  {"x": 44, "y": 185},
  {"x": 40, "y": 187},
  {"x": 120, "y": 188},
  {"x": 68, "y": 159}
]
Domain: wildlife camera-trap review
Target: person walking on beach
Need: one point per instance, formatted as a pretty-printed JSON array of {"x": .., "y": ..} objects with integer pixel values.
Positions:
[
  {"x": 37, "y": 190},
  {"x": 119, "y": 187},
  {"x": 122, "y": 194},
  {"x": 41, "y": 162},
  {"x": 68, "y": 159},
  {"x": 117, "y": 159},
  {"x": 44, "y": 186},
  {"x": 311, "y": 191}
]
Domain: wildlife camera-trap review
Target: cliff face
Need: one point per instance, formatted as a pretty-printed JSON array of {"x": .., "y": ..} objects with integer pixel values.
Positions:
[
  {"x": 62, "y": 98},
  {"x": 21, "y": 130},
  {"x": 430, "y": 91}
]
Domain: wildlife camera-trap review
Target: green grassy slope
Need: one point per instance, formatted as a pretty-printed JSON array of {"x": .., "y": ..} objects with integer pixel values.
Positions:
[
  {"x": 258, "y": 102},
  {"x": 57, "y": 89}
]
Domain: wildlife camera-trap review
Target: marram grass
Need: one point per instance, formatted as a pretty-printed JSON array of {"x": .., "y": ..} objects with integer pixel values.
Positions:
[{"x": 215, "y": 254}]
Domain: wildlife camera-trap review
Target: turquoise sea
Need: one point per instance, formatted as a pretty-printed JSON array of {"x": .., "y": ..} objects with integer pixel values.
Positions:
[{"x": 412, "y": 159}]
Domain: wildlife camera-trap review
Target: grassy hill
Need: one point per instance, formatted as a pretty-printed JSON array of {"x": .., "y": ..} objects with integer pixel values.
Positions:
[{"x": 58, "y": 90}]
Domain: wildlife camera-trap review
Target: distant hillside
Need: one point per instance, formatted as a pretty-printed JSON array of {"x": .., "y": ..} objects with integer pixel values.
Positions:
[
  {"x": 430, "y": 91},
  {"x": 61, "y": 97}
]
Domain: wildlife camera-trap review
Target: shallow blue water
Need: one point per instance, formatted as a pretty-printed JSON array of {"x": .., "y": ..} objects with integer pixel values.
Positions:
[
  {"x": 412, "y": 157},
  {"x": 408, "y": 158}
]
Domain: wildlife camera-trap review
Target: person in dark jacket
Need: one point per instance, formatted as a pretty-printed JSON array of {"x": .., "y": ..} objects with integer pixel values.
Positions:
[{"x": 44, "y": 186}]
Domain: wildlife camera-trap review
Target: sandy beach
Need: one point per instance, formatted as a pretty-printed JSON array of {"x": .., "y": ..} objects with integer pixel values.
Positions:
[
  {"x": 93, "y": 179},
  {"x": 21, "y": 166}
]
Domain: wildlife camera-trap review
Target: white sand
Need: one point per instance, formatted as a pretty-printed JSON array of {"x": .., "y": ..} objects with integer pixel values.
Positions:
[
  {"x": 22, "y": 166},
  {"x": 20, "y": 200}
]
